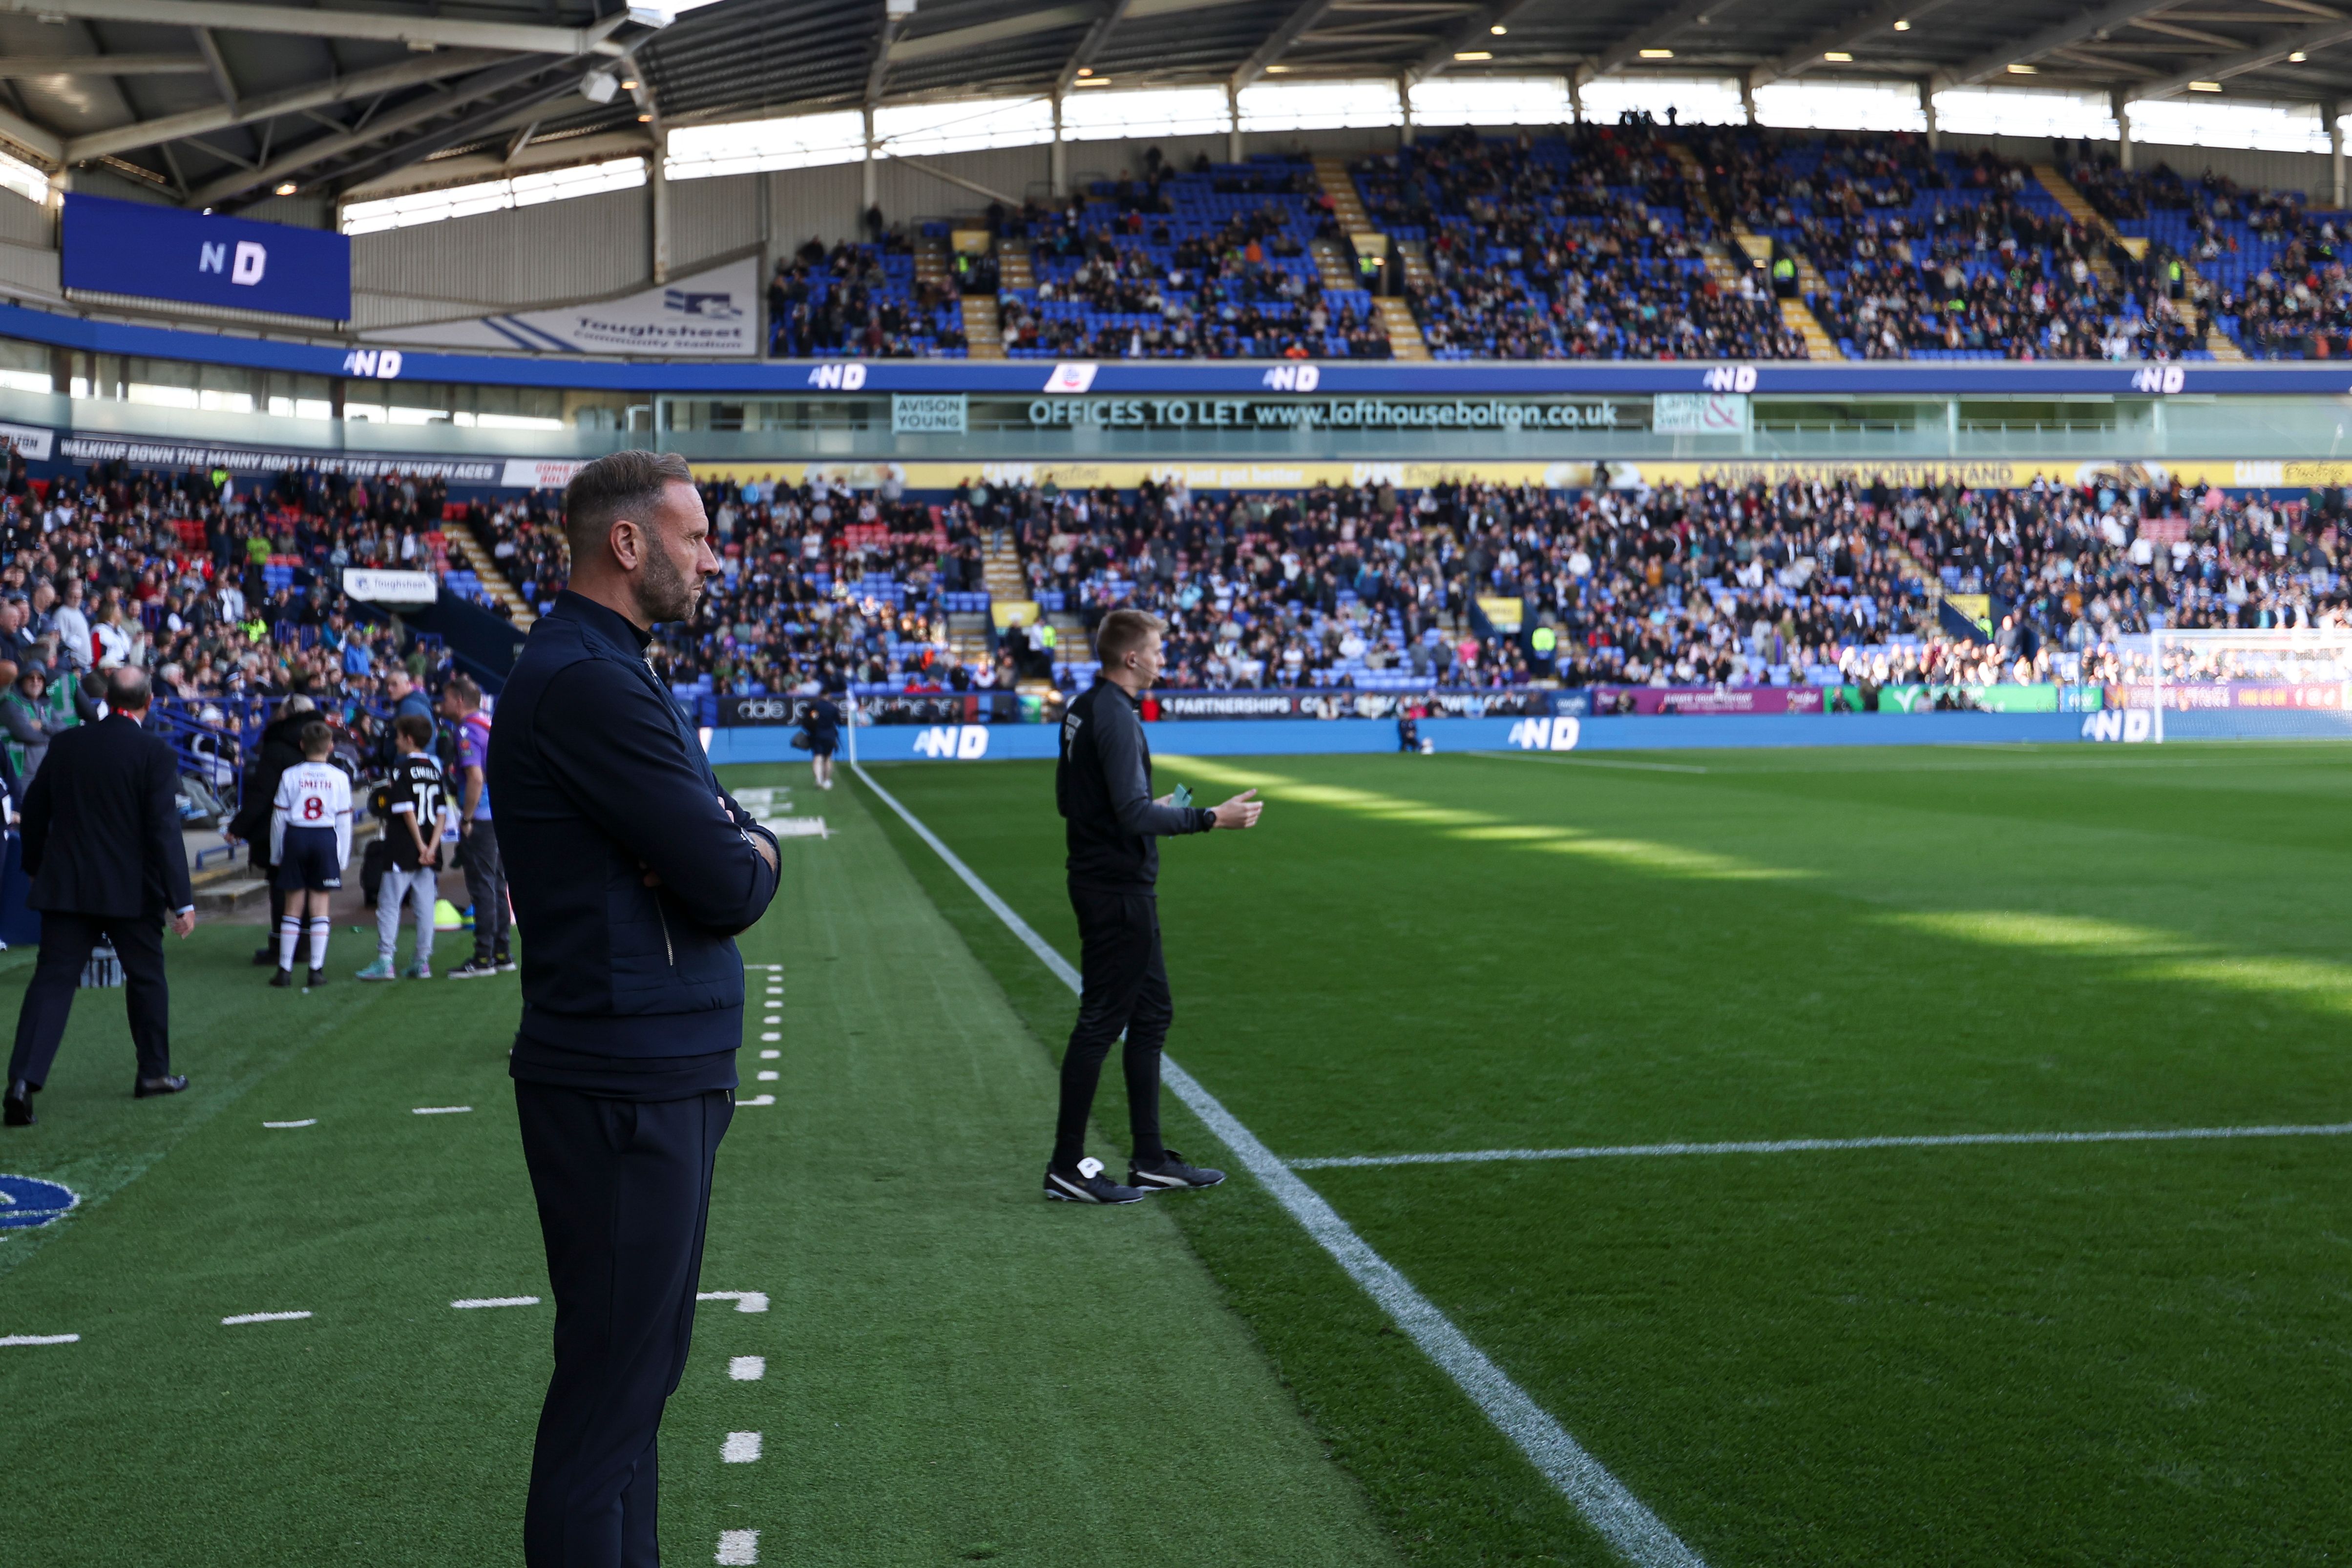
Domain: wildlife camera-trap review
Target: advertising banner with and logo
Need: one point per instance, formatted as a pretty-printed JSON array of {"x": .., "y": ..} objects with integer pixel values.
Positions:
[
  {"x": 713, "y": 314},
  {"x": 168, "y": 253}
]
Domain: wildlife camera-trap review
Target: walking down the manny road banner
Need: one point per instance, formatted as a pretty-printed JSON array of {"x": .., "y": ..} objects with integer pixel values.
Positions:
[
  {"x": 102, "y": 843},
  {"x": 415, "y": 811},
  {"x": 1103, "y": 788},
  {"x": 310, "y": 842},
  {"x": 477, "y": 849},
  {"x": 632, "y": 871}
]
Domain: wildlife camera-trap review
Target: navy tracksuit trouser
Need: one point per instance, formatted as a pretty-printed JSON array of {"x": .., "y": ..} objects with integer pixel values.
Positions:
[{"x": 623, "y": 1190}]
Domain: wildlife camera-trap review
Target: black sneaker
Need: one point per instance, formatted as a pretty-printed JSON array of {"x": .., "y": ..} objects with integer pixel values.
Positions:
[
  {"x": 1171, "y": 1171},
  {"x": 282, "y": 978},
  {"x": 1089, "y": 1186},
  {"x": 474, "y": 969},
  {"x": 318, "y": 977},
  {"x": 504, "y": 963}
]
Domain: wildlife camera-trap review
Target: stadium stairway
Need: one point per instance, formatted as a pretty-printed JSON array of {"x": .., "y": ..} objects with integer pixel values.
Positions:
[
  {"x": 983, "y": 338},
  {"x": 494, "y": 578},
  {"x": 1000, "y": 565},
  {"x": 1405, "y": 341},
  {"x": 1720, "y": 266},
  {"x": 1798, "y": 316},
  {"x": 1015, "y": 267},
  {"x": 2061, "y": 191}
]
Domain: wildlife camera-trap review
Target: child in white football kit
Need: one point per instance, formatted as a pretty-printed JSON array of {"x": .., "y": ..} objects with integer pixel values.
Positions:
[{"x": 310, "y": 841}]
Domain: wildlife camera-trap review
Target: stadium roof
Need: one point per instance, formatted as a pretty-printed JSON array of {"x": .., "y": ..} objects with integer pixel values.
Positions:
[{"x": 219, "y": 103}]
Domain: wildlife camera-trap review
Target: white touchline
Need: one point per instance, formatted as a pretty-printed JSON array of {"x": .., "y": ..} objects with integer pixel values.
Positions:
[
  {"x": 1616, "y": 1513},
  {"x": 740, "y": 1449},
  {"x": 262, "y": 1318},
  {"x": 8, "y": 1341},
  {"x": 441, "y": 1110},
  {"x": 304, "y": 1122},
  {"x": 474, "y": 1302},
  {"x": 737, "y": 1547},
  {"x": 1594, "y": 762},
  {"x": 745, "y": 1300},
  {"x": 747, "y": 1368},
  {"x": 1807, "y": 1145}
]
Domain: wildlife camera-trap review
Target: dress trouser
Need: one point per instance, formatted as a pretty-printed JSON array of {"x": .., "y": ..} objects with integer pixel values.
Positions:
[
  {"x": 67, "y": 939},
  {"x": 1124, "y": 986},
  {"x": 623, "y": 1190},
  {"x": 486, "y": 886},
  {"x": 419, "y": 890}
]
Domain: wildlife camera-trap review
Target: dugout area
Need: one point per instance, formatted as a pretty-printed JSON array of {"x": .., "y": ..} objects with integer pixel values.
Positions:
[{"x": 2029, "y": 1351}]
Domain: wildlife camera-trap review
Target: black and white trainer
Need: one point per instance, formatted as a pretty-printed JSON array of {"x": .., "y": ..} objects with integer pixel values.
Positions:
[
  {"x": 1171, "y": 1171},
  {"x": 1089, "y": 1186}
]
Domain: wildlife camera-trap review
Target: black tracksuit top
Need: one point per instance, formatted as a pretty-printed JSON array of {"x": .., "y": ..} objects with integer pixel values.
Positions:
[{"x": 1103, "y": 788}]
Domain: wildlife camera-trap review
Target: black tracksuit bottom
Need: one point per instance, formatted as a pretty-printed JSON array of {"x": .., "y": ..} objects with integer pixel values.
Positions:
[
  {"x": 1125, "y": 987},
  {"x": 66, "y": 940},
  {"x": 623, "y": 1190}
]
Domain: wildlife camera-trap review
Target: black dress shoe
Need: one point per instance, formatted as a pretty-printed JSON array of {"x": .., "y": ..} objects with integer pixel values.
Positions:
[
  {"x": 266, "y": 956},
  {"x": 17, "y": 1106},
  {"x": 171, "y": 1083}
]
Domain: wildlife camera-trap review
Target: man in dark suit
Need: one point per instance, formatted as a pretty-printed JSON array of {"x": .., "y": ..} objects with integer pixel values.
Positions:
[
  {"x": 632, "y": 871},
  {"x": 102, "y": 846}
]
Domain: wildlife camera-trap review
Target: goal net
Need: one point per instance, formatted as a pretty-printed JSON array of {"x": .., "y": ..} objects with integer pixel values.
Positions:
[{"x": 2232, "y": 684}]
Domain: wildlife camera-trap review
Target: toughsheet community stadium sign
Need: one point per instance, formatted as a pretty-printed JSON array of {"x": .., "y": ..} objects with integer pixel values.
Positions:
[
  {"x": 165, "y": 253},
  {"x": 374, "y": 585},
  {"x": 714, "y": 314}
]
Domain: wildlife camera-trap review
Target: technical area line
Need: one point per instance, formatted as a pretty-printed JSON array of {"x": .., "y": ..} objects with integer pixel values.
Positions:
[
  {"x": 1809, "y": 1145},
  {"x": 1603, "y": 1500}
]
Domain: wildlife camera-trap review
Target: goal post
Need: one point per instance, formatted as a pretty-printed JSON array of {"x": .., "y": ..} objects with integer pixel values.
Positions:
[{"x": 2229, "y": 683}]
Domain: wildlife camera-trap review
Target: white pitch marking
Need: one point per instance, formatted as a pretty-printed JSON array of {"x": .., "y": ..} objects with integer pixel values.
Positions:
[
  {"x": 473, "y": 1301},
  {"x": 770, "y": 1055},
  {"x": 756, "y": 1099},
  {"x": 740, "y": 1449},
  {"x": 747, "y": 1368},
  {"x": 745, "y": 1300},
  {"x": 262, "y": 1318},
  {"x": 8, "y": 1341},
  {"x": 772, "y": 1036},
  {"x": 441, "y": 1110},
  {"x": 770, "y": 1077},
  {"x": 1615, "y": 1512},
  {"x": 1807, "y": 1145},
  {"x": 738, "y": 1548},
  {"x": 304, "y": 1122}
]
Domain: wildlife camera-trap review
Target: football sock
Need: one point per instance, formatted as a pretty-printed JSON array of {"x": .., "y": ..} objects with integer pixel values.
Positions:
[
  {"x": 319, "y": 929},
  {"x": 289, "y": 931}
]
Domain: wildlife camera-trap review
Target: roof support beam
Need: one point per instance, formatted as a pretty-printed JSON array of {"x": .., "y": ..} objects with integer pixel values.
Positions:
[
  {"x": 1083, "y": 56},
  {"x": 305, "y": 22},
  {"x": 956, "y": 40},
  {"x": 2090, "y": 25},
  {"x": 1475, "y": 33},
  {"x": 482, "y": 122},
  {"x": 27, "y": 65},
  {"x": 1277, "y": 43},
  {"x": 210, "y": 49},
  {"x": 39, "y": 141},
  {"x": 1840, "y": 38},
  {"x": 894, "y": 22},
  {"x": 320, "y": 149},
  {"x": 2222, "y": 68},
  {"x": 195, "y": 122},
  {"x": 1628, "y": 49}
]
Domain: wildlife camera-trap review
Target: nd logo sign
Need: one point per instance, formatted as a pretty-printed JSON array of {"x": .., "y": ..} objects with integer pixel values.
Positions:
[{"x": 953, "y": 742}]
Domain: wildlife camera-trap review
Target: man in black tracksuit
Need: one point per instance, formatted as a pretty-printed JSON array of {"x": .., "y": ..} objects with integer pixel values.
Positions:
[
  {"x": 1103, "y": 788},
  {"x": 632, "y": 872}
]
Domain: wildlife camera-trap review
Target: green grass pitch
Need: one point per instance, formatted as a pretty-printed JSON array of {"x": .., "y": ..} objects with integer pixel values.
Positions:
[{"x": 2129, "y": 1351}]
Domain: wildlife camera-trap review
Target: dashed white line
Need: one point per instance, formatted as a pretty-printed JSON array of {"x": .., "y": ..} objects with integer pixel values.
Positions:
[
  {"x": 472, "y": 1303},
  {"x": 262, "y": 1318},
  {"x": 745, "y": 1300},
  {"x": 771, "y": 1037},
  {"x": 738, "y": 1548},
  {"x": 1807, "y": 1146},
  {"x": 9, "y": 1341},
  {"x": 744, "y": 1368},
  {"x": 755, "y": 1100},
  {"x": 770, "y": 1077},
  {"x": 441, "y": 1110},
  {"x": 304, "y": 1122},
  {"x": 1604, "y": 1502},
  {"x": 740, "y": 1449},
  {"x": 770, "y": 1055}
]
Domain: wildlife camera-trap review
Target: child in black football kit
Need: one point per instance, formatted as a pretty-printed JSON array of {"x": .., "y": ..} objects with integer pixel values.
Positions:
[{"x": 416, "y": 805}]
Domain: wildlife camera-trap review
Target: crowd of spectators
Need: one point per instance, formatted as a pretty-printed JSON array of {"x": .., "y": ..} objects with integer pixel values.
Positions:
[
  {"x": 863, "y": 300},
  {"x": 1375, "y": 588}
]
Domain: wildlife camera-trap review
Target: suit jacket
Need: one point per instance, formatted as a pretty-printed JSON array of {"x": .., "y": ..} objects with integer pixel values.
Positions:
[{"x": 102, "y": 824}]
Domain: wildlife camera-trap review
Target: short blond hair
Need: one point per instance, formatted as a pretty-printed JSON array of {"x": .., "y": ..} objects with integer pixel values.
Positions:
[{"x": 1123, "y": 631}]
